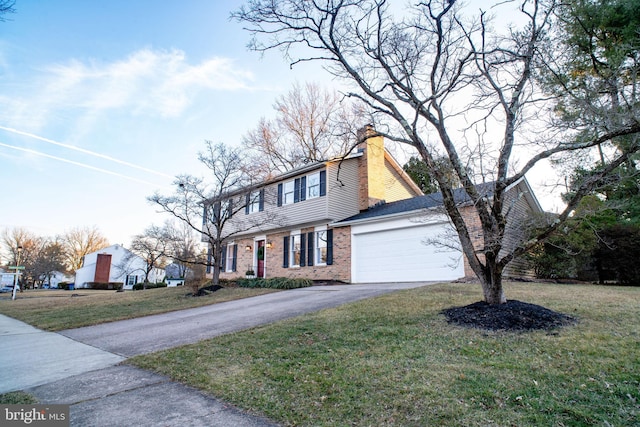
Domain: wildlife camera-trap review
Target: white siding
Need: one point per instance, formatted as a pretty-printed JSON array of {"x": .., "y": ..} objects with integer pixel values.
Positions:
[{"x": 395, "y": 251}]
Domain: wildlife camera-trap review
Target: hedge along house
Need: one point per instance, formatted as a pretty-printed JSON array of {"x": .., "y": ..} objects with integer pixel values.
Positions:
[{"x": 285, "y": 228}]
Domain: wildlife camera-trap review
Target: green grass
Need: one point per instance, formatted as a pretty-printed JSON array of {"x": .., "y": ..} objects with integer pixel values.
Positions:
[
  {"x": 55, "y": 310},
  {"x": 394, "y": 361},
  {"x": 17, "y": 398}
]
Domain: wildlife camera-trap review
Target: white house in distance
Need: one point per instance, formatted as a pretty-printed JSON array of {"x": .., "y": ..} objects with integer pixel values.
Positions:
[{"x": 114, "y": 264}]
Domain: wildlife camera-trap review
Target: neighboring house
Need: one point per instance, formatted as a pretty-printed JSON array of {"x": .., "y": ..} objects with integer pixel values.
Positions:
[
  {"x": 54, "y": 279},
  {"x": 114, "y": 264},
  {"x": 359, "y": 219}
]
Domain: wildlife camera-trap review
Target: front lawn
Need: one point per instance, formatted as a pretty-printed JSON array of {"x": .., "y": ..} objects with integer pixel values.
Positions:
[
  {"x": 55, "y": 310},
  {"x": 394, "y": 361}
]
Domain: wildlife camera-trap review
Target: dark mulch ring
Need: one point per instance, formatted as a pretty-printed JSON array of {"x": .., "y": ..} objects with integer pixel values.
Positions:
[
  {"x": 511, "y": 316},
  {"x": 208, "y": 290}
]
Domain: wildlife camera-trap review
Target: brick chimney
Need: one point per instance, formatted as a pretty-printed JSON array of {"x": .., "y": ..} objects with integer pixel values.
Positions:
[{"x": 371, "y": 167}]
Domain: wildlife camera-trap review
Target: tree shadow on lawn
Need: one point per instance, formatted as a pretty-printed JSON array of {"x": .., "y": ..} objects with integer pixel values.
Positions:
[{"x": 513, "y": 316}]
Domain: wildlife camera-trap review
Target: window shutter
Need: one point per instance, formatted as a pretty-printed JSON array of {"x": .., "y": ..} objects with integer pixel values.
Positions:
[
  {"x": 296, "y": 190},
  {"x": 235, "y": 258},
  {"x": 285, "y": 252},
  {"x": 303, "y": 250},
  {"x": 330, "y": 246},
  {"x": 261, "y": 201},
  {"x": 310, "y": 249},
  {"x": 223, "y": 259},
  {"x": 323, "y": 183},
  {"x": 230, "y": 209},
  {"x": 303, "y": 188},
  {"x": 279, "y": 194},
  {"x": 204, "y": 215},
  {"x": 247, "y": 201},
  {"x": 209, "y": 257}
]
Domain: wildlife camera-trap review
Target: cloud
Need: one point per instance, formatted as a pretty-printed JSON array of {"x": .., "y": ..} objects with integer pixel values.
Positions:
[{"x": 147, "y": 82}]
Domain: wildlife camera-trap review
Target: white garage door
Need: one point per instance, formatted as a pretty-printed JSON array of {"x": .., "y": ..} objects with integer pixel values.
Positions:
[{"x": 400, "y": 255}]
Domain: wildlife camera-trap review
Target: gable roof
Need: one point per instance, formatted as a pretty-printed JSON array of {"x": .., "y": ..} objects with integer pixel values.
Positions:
[{"x": 430, "y": 201}]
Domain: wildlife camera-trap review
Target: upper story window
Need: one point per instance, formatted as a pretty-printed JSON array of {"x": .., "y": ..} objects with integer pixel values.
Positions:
[
  {"x": 303, "y": 188},
  {"x": 313, "y": 185},
  {"x": 288, "y": 192},
  {"x": 254, "y": 202}
]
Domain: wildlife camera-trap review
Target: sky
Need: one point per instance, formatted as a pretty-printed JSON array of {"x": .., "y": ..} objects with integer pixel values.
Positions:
[{"x": 103, "y": 103}]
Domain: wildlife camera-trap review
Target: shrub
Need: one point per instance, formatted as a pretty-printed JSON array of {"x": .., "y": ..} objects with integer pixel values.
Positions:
[
  {"x": 104, "y": 286},
  {"x": 617, "y": 254},
  {"x": 275, "y": 283},
  {"x": 149, "y": 285}
]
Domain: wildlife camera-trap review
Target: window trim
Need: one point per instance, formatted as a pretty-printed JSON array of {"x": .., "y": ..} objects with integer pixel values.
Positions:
[
  {"x": 317, "y": 248},
  {"x": 295, "y": 237}
]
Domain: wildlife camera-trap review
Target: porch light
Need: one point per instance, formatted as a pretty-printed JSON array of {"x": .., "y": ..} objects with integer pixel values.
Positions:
[
  {"x": 247, "y": 248},
  {"x": 269, "y": 245}
]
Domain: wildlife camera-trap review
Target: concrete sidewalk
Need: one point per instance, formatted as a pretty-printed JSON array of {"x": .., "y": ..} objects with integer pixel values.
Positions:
[
  {"x": 30, "y": 357},
  {"x": 79, "y": 366}
]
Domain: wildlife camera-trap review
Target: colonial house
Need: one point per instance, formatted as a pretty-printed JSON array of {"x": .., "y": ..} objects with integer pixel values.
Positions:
[
  {"x": 358, "y": 219},
  {"x": 114, "y": 264}
]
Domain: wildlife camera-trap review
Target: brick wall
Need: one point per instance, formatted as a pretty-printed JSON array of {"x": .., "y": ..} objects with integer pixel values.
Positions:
[{"x": 340, "y": 270}]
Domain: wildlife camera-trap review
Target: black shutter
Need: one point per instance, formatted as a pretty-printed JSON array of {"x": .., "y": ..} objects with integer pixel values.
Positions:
[
  {"x": 285, "y": 252},
  {"x": 230, "y": 209},
  {"x": 247, "y": 202},
  {"x": 235, "y": 258},
  {"x": 209, "y": 257},
  {"x": 330, "y": 246},
  {"x": 323, "y": 183},
  {"x": 223, "y": 259},
  {"x": 310, "y": 249},
  {"x": 261, "y": 201},
  {"x": 303, "y": 250},
  {"x": 303, "y": 188},
  {"x": 296, "y": 190},
  {"x": 279, "y": 194}
]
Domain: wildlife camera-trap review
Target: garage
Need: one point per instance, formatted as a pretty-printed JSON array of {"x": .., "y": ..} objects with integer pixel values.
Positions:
[{"x": 395, "y": 251}]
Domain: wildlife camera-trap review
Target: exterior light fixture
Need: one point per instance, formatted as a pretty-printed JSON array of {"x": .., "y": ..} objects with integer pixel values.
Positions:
[{"x": 247, "y": 248}]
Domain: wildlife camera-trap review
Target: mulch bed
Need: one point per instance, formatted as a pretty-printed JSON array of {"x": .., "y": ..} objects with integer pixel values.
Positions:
[
  {"x": 511, "y": 316},
  {"x": 208, "y": 290}
]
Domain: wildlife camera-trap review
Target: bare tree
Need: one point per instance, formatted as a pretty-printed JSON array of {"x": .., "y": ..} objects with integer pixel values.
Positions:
[
  {"x": 311, "y": 125},
  {"x": 80, "y": 241},
  {"x": 48, "y": 261},
  {"x": 23, "y": 248},
  {"x": 210, "y": 206},
  {"x": 184, "y": 247},
  {"x": 448, "y": 84},
  {"x": 6, "y": 6},
  {"x": 153, "y": 247}
]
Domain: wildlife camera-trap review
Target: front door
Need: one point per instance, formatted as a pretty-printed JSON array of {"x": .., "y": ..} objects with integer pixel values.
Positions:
[{"x": 260, "y": 256}]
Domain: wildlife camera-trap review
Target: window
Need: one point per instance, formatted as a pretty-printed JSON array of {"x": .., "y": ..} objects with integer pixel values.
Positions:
[
  {"x": 313, "y": 186},
  {"x": 303, "y": 188},
  {"x": 289, "y": 192},
  {"x": 294, "y": 259},
  {"x": 321, "y": 247},
  {"x": 254, "y": 202},
  {"x": 132, "y": 280},
  {"x": 232, "y": 252}
]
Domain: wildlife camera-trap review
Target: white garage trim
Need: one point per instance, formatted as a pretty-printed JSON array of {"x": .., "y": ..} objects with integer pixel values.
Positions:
[{"x": 395, "y": 251}]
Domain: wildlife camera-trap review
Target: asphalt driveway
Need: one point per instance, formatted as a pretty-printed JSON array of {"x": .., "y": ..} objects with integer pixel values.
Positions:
[{"x": 158, "y": 332}]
